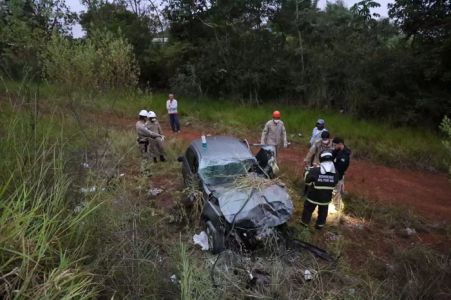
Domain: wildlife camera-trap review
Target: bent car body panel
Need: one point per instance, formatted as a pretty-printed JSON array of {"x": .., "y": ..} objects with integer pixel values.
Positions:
[{"x": 254, "y": 208}]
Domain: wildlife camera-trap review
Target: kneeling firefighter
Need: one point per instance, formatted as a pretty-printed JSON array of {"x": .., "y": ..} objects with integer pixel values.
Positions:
[
  {"x": 321, "y": 182},
  {"x": 156, "y": 144}
]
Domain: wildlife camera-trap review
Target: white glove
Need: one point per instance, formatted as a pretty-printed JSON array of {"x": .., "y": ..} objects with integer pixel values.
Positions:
[{"x": 162, "y": 138}]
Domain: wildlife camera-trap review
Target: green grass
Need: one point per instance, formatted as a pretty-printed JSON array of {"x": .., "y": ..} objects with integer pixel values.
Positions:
[
  {"x": 42, "y": 246},
  {"x": 376, "y": 141},
  {"x": 124, "y": 245}
]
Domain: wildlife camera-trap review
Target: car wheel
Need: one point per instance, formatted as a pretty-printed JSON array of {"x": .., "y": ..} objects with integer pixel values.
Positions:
[{"x": 215, "y": 238}]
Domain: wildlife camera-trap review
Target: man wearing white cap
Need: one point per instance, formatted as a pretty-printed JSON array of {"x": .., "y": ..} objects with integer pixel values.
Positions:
[{"x": 316, "y": 134}]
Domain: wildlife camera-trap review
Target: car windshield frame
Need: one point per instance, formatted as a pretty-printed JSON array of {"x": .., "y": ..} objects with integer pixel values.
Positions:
[{"x": 223, "y": 171}]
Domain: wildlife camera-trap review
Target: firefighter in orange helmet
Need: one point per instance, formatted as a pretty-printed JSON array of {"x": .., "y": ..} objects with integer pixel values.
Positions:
[{"x": 274, "y": 132}]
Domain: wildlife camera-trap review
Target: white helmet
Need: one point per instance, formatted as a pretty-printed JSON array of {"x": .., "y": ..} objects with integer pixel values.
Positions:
[
  {"x": 151, "y": 114},
  {"x": 143, "y": 113}
]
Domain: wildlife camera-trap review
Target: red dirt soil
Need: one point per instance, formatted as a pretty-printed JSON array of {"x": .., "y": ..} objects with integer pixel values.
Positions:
[{"x": 426, "y": 192}]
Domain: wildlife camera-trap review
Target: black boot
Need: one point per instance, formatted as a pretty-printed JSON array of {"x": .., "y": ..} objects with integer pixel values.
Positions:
[
  {"x": 155, "y": 160},
  {"x": 162, "y": 158}
]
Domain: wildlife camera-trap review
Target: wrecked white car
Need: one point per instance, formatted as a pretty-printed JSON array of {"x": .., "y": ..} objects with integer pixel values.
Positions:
[{"x": 240, "y": 197}]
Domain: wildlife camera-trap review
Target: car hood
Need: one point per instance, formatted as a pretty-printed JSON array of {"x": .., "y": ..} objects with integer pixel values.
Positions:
[{"x": 254, "y": 208}]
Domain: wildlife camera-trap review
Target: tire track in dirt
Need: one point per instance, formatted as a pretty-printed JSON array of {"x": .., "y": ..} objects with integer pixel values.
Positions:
[{"x": 428, "y": 193}]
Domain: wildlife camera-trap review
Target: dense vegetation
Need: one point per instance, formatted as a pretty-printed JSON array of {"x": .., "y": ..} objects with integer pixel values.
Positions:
[
  {"x": 258, "y": 51},
  {"x": 72, "y": 227}
]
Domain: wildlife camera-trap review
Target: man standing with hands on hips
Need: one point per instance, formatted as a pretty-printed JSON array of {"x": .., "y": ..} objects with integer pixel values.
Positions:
[{"x": 171, "y": 105}]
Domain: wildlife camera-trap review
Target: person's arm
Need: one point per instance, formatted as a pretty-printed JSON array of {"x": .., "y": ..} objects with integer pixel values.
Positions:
[
  {"x": 143, "y": 131},
  {"x": 342, "y": 164},
  {"x": 309, "y": 177},
  {"x": 310, "y": 154},
  {"x": 312, "y": 140},
  {"x": 284, "y": 134},
  {"x": 264, "y": 134}
]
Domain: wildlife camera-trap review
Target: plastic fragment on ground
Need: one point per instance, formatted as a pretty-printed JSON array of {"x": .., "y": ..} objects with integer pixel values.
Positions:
[
  {"x": 411, "y": 231},
  {"x": 88, "y": 190},
  {"x": 155, "y": 192},
  {"x": 308, "y": 275},
  {"x": 202, "y": 240}
]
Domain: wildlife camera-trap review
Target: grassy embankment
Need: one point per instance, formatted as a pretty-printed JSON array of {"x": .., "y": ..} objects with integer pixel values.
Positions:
[
  {"x": 378, "y": 142},
  {"x": 56, "y": 242},
  {"x": 375, "y": 141}
]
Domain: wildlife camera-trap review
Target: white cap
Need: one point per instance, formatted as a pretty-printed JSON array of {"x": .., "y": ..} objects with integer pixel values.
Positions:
[
  {"x": 143, "y": 113},
  {"x": 151, "y": 114}
]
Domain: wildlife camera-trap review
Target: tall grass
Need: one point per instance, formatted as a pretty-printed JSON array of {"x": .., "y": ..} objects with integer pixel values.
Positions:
[{"x": 41, "y": 241}]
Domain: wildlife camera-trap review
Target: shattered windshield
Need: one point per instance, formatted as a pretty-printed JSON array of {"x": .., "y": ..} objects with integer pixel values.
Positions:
[{"x": 220, "y": 171}]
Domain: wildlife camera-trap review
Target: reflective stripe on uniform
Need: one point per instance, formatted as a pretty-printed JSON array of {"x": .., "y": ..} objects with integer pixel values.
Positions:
[
  {"x": 323, "y": 187},
  {"x": 318, "y": 203}
]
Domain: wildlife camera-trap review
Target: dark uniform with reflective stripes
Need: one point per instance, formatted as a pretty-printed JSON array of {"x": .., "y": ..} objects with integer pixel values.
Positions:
[{"x": 319, "y": 193}]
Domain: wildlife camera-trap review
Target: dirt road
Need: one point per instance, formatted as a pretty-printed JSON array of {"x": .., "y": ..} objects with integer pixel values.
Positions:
[{"x": 428, "y": 193}]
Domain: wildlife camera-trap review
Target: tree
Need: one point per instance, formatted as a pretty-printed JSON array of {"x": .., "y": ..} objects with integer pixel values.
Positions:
[
  {"x": 115, "y": 18},
  {"x": 27, "y": 25},
  {"x": 428, "y": 23}
]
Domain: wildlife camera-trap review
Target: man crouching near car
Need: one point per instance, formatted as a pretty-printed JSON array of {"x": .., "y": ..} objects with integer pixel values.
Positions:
[{"x": 321, "y": 182}]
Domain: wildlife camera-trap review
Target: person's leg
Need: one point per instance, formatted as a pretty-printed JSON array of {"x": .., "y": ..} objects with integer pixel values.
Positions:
[
  {"x": 322, "y": 215},
  {"x": 337, "y": 194},
  {"x": 160, "y": 149},
  {"x": 171, "y": 121},
  {"x": 145, "y": 170},
  {"x": 176, "y": 122},
  {"x": 309, "y": 208}
]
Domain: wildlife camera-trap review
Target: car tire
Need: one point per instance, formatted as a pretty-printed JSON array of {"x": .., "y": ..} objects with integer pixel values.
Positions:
[{"x": 215, "y": 238}]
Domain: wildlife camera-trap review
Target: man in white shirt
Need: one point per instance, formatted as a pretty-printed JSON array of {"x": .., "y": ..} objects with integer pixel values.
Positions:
[
  {"x": 171, "y": 105},
  {"x": 316, "y": 134}
]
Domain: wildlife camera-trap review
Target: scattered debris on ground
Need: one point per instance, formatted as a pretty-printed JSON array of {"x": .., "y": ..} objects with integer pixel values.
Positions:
[
  {"x": 175, "y": 280},
  {"x": 332, "y": 236},
  {"x": 79, "y": 208},
  {"x": 155, "y": 191},
  {"x": 411, "y": 231},
  {"x": 119, "y": 200},
  {"x": 308, "y": 275},
  {"x": 88, "y": 190},
  {"x": 202, "y": 240},
  {"x": 357, "y": 226}
]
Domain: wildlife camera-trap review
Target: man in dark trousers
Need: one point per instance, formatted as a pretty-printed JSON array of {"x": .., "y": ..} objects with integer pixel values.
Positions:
[
  {"x": 341, "y": 156},
  {"x": 321, "y": 182}
]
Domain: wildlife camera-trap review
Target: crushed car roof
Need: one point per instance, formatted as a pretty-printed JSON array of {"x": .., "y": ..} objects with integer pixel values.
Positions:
[{"x": 224, "y": 148}]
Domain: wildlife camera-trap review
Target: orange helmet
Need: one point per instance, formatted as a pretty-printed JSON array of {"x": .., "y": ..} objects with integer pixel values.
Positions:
[{"x": 276, "y": 114}]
